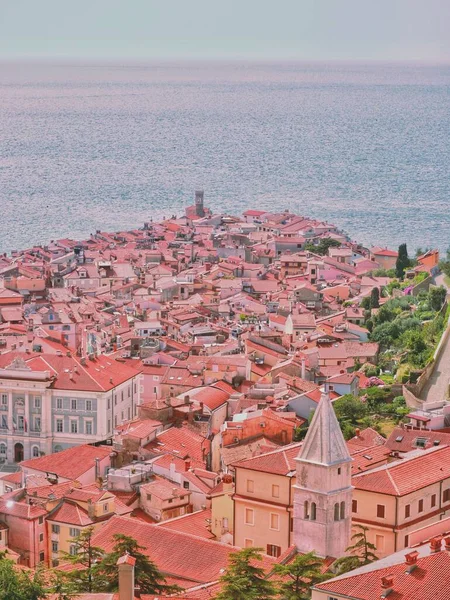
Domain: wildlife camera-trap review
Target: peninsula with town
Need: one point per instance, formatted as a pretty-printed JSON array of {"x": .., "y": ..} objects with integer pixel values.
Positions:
[{"x": 225, "y": 406}]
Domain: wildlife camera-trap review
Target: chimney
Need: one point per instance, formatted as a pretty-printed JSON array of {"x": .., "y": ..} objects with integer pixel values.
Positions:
[
  {"x": 187, "y": 465},
  {"x": 387, "y": 584},
  {"x": 357, "y": 432},
  {"x": 411, "y": 561},
  {"x": 227, "y": 481},
  {"x": 125, "y": 565},
  {"x": 436, "y": 544},
  {"x": 447, "y": 543},
  {"x": 303, "y": 368}
]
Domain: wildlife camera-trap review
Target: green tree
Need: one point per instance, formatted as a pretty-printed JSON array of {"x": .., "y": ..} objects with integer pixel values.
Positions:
[
  {"x": 245, "y": 580},
  {"x": 362, "y": 552},
  {"x": 322, "y": 246},
  {"x": 62, "y": 588},
  {"x": 349, "y": 408},
  {"x": 375, "y": 298},
  {"x": 402, "y": 262},
  {"x": 298, "y": 576},
  {"x": 18, "y": 584},
  {"x": 87, "y": 556},
  {"x": 436, "y": 297},
  {"x": 147, "y": 575}
]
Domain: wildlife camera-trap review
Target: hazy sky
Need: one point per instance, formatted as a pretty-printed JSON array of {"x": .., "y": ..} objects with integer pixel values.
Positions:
[{"x": 301, "y": 29}]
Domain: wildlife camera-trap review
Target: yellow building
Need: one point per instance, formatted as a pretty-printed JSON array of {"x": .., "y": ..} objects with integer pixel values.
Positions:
[
  {"x": 222, "y": 510},
  {"x": 78, "y": 510},
  {"x": 263, "y": 500},
  {"x": 399, "y": 498}
]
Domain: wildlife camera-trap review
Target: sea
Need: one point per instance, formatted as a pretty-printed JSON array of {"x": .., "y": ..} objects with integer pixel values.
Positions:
[{"x": 102, "y": 145}]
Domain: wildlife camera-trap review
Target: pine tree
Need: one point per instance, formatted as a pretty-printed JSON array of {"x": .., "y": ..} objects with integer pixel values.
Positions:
[
  {"x": 147, "y": 576},
  {"x": 87, "y": 556},
  {"x": 298, "y": 576},
  {"x": 361, "y": 552},
  {"x": 244, "y": 580},
  {"x": 375, "y": 298},
  {"x": 402, "y": 261}
]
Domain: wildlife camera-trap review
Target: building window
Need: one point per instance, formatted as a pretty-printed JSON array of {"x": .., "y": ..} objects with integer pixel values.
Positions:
[
  {"x": 406, "y": 541},
  {"x": 186, "y": 485},
  {"x": 106, "y": 507},
  {"x": 306, "y": 510},
  {"x": 41, "y": 556},
  {"x": 88, "y": 426},
  {"x": 381, "y": 511},
  {"x": 37, "y": 402},
  {"x": 250, "y": 486},
  {"x": 336, "y": 511},
  {"x": 55, "y": 528},
  {"x": 313, "y": 511},
  {"x": 249, "y": 516},
  {"x": 35, "y": 451},
  {"x": 54, "y": 546},
  {"x": 2, "y": 449},
  {"x": 274, "y": 521},
  {"x": 420, "y": 507},
  {"x": 59, "y": 425},
  {"x": 109, "y": 403},
  {"x": 446, "y": 495},
  {"x": 41, "y": 520},
  {"x": 37, "y": 423},
  {"x": 273, "y": 550},
  {"x": 379, "y": 543},
  {"x": 73, "y": 550},
  {"x": 339, "y": 468},
  {"x": 276, "y": 491},
  {"x": 407, "y": 511},
  {"x": 248, "y": 543},
  {"x": 354, "y": 506},
  {"x": 59, "y": 403},
  {"x": 89, "y": 405},
  {"x": 149, "y": 497},
  {"x": 433, "y": 500},
  {"x": 73, "y": 404},
  {"x": 73, "y": 532},
  {"x": 73, "y": 426},
  {"x": 4, "y": 399},
  {"x": 20, "y": 423},
  {"x": 41, "y": 537},
  {"x": 4, "y": 422},
  {"x": 342, "y": 511}
]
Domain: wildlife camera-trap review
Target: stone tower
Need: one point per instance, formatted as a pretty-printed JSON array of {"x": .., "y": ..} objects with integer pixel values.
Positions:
[
  {"x": 199, "y": 208},
  {"x": 323, "y": 490}
]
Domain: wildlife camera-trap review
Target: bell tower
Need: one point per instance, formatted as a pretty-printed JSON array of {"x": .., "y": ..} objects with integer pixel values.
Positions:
[
  {"x": 199, "y": 207},
  {"x": 323, "y": 490}
]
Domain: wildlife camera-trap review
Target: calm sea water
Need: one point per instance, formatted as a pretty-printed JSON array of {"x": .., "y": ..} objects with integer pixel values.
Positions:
[{"x": 85, "y": 147}]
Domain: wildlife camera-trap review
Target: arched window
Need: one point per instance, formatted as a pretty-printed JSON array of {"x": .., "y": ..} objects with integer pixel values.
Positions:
[
  {"x": 342, "y": 510},
  {"x": 2, "y": 449},
  {"x": 336, "y": 511},
  {"x": 35, "y": 451},
  {"x": 306, "y": 508},
  {"x": 313, "y": 511}
]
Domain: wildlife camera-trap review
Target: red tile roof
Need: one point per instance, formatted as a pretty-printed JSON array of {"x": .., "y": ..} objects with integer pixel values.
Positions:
[
  {"x": 430, "y": 580},
  {"x": 176, "y": 554},
  {"x": 398, "y": 479},
  {"x": 196, "y": 523},
  {"x": 70, "y": 463},
  {"x": 278, "y": 462}
]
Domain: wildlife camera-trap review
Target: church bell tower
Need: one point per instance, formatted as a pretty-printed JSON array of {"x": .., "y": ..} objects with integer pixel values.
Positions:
[{"x": 323, "y": 490}]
